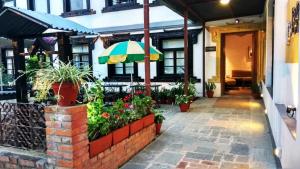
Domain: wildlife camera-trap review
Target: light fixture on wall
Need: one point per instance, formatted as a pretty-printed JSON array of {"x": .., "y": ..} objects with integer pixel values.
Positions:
[
  {"x": 224, "y": 2},
  {"x": 278, "y": 152},
  {"x": 291, "y": 111},
  {"x": 237, "y": 21},
  {"x": 266, "y": 111}
]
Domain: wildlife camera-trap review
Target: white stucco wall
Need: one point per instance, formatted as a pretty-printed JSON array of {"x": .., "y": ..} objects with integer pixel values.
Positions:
[{"x": 285, "y": 89}]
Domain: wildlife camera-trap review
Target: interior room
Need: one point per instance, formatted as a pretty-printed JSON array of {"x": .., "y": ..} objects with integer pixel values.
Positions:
[{"x": 238, "y": 57}]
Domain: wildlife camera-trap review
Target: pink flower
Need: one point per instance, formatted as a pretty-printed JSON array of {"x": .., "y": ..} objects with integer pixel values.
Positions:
[{"x": 105, "y": 115}]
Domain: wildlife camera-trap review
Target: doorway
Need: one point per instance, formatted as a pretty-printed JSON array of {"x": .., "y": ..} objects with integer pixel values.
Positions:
[{"x": 238, "y": 62}]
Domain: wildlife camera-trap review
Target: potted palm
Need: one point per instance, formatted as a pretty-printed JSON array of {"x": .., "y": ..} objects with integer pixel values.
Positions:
[
  {"x": 159, "y": 118},
  {"x": 183, "y": 101},
  {"x": 65, "y": 80},
  {"x": 210, "y": 87}
]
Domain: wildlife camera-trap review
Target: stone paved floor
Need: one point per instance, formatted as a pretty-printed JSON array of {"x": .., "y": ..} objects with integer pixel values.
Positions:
[{"x": 227, "y": 133}]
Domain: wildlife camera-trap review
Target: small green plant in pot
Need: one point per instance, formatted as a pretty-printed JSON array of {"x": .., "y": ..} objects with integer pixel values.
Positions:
[
  {"x": 65, "y": 80},
  {"x": 183, "y": 101},
  {"x": 256, "y": 91},
  {"x": 210, "y": 87},
  {"x": 159, "y": 118}
]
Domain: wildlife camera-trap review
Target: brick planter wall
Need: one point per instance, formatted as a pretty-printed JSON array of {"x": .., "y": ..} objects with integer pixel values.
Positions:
[
  {"x": 118, "y": 154},
  {"x": 68, "y": 145}
]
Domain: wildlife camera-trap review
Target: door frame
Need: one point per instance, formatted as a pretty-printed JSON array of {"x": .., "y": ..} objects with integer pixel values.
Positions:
[{"x": 253, "y": 61}]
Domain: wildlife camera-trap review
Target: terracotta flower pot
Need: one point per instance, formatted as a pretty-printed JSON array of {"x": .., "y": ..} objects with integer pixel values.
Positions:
[
  {"x": 136, "y": 126},
  {"x": 158, "y": 127},
  {"x": 148, "y": 120},
  {"x": 120, "y": 134},
  {"x": 100, "y": 145},
  {"x": 210, "y": 94},
  {"x": 68, "y": 93},
  {"x": 184, "y": 107}
]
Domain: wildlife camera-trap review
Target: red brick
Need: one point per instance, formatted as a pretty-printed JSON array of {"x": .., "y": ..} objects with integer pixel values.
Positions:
[
  {"x": 65, "y": 163},
  {"x": 79, "y": 138},
  {"x": 4, "y": 159},
  {"x": 26, "y": 163},
  {"x": 80, "y": 145},
  {"x": 81, "y": 152},
  {"x": 63, "y": 132},
  {"x": 50, "y": 131},
  {"x": 54, "y": 153},
  {"x": 65, "y": 148}
]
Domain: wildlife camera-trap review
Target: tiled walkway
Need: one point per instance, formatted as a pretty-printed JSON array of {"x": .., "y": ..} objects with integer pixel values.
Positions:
[{"x": 228, "y": 133}]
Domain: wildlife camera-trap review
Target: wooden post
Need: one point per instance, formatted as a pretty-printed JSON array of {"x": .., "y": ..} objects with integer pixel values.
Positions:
[
  {"x": 203, "y": 49},
  {"x": 64, "y": 48},
  {"x": 147, "y": 48},
  {"x": 186, "y": 54},
  {"x": 19, "y": 64}
]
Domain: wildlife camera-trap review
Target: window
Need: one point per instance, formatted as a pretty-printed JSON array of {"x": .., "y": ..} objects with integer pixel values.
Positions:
[
  {"x": 10, "y": 67},
  {"x": 174, "y": 61},
  {"x": 30, "y": 5},
  {"x": 116, "y": 2},
  {"x": 124, "y": 68},
  {"x": 71, "y": 5},
  {"x": 9, "y": 3},
  {"x": 118, "y": 5},
  {"x": 81, "y": 56},
  {"x": 42, "y": 6}
]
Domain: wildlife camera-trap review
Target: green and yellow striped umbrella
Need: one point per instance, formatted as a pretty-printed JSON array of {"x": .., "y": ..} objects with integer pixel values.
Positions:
[{"x": 128, "y": 51}]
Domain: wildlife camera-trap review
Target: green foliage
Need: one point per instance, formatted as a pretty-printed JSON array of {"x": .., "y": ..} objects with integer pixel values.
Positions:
[
  {"x": 142, "y": 105},
  {"x": 255, "y": 88},
  {"x": 182, "y": 99},
  {"x": 210, "y": 86},
  {"x": 159, "y": 117},
  {"x": 46, "y": 77}
]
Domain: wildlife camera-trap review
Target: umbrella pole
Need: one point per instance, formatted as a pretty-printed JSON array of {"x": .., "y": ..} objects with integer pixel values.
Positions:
[{"x": 147, "y": 48}]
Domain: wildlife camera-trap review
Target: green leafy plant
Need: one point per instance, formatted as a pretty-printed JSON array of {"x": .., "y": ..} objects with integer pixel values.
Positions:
[
  {"x": 210, "y": 86},
  {"x": 142, "y": 105},
  {"x": 255, "y": 88},
  {"x": 159, "y": 117},
  {"x": 46, "y": 77},
  {"x": 182, "y": 99}
]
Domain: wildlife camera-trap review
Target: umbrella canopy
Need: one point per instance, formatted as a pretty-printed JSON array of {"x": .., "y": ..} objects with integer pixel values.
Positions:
[{"x": 128, "y": 51}]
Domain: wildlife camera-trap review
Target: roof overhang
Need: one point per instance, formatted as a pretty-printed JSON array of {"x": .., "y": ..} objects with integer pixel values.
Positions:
[
  {"x": 211, "y": 10},
  {"x": 16, "y": 22}
]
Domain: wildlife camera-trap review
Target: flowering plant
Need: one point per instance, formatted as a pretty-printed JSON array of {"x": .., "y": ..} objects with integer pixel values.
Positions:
[{"x": 182, "y": 99}]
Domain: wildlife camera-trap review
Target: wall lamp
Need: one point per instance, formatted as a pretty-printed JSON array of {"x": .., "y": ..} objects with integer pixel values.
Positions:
[{"x": 291, "y": 111}]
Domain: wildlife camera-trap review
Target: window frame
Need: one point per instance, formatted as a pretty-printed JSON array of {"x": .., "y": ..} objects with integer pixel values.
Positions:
[
  {"x": 68, "y": 12},
  {"x": 112, "y": 71},
  {"x": 4, "y": 61},
  {"x": 126, "y": 6},
  {"x": 174, "y": 50},
  {"x": 89, "y": 54}
]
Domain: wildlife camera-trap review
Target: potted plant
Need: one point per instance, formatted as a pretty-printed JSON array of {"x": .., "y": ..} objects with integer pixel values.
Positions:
[
  {"x": 99, "y": 122},
  {"x": 120, "y": 119},
  {"x": 256, "y": 91},
  {"x": 65, "y": 80},
  {"x": 210, "y": 87},
  {"x": 183, "y": 101},
  {"x": 159, "y": 118}
]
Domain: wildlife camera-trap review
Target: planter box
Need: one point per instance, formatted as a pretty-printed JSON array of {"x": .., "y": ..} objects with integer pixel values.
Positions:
[
  {"x": 184, "y": 107},
  {"x": 136, "y": 126},
  {"x": 120, "y": 134},
  {"x": 100, "y": 145},
  {"x": 148, "y": 120}
]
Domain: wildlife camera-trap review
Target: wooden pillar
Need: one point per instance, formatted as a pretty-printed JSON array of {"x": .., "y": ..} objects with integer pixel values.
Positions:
[
  {"x": 64, "y": 48},
  {"x": 203, "y": 49},
  {"x": 147, "y": 48},
  {"x": 186, "y": 54},
  {"x": 19, "y": 64}
]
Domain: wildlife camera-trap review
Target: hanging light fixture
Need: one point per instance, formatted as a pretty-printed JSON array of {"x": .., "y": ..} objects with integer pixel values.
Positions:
[{"x": 224, "y": 2}]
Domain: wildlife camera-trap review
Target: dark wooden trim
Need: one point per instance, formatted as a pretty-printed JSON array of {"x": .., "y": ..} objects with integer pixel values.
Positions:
[
  {"x": 31, "y": 5},
  {"x": 19, "y": 61},
  {"x": 68, "y": 12},
  {"x": 15, "y": 3},
  {"x": 128, "y": 6},
  {"x": 48, "y": 6},
  {"x": 85, "y": 41},
  {"x": 157, "y": 39},
  {"x": 204, "y": 59}
]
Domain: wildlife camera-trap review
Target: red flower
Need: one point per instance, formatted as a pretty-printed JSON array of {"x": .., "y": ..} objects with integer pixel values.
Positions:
[
  {"x": 117, "y": 116},
  {"x": 121, "y": 111},
  {"x": 127, "y": 105},
  {"x": 105, "y": 115},
  {"x": 139, "y": 92}
]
